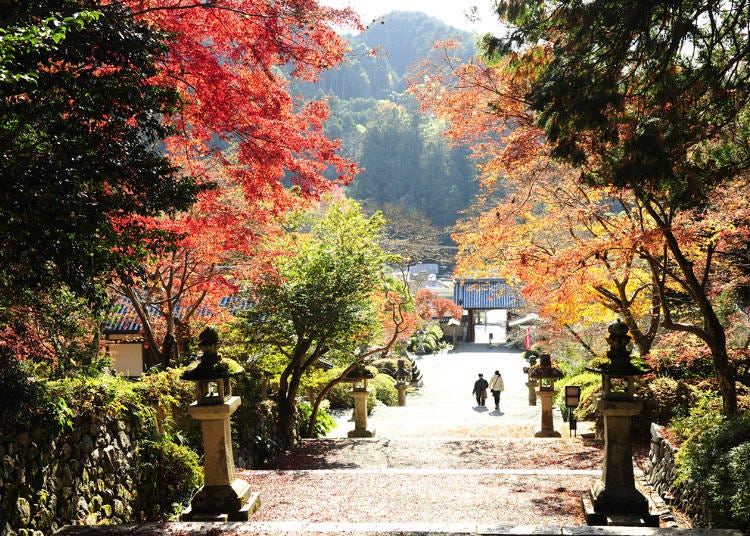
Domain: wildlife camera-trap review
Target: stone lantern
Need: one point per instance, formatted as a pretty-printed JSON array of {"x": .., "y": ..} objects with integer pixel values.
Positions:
[
  {"x": 358, "y": 377},
  {"x": 223, "y": 497},
  {"x": 420, "y": 341},
  {"x": 531, "y": 384},
  {"x": 546, "y": 373},
  {"x": 614, "y": 499},
  {"x": 401, "y": 385}
]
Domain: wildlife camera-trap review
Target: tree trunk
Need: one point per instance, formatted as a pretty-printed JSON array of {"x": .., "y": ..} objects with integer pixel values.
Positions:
[
  {"x": 286, "y": 419},
  {"x": 713, "y": 333},
  {"x": 724, "y": 372}
]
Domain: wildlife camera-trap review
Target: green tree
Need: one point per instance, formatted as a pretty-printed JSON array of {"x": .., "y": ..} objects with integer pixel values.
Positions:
[
  {"x": 80, "y": 126},
  {"x": 649, "y": 96},
  {"x": 319, "y": 297}
]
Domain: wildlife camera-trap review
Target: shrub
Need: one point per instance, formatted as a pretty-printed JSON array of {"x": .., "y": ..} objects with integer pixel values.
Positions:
[
  {"x": 432, "y": 340},
  {"x": 535, "y": 350},
  {"x": 384, "y": 389},
  {"x": 717, "y": 464},
  {"x": 584, "y": 380},
  {"x": 324, "y": 423},
  {"x": 586, "y": 410},
  {"x": 19, "y": 395},
  {"x": 681, "y": 356},
  {"x": 339, "y": 397},
  {"x": 703, "y": 415},
  {"x": 666, "y": 399},
  {"x": 179, "y": 475}
]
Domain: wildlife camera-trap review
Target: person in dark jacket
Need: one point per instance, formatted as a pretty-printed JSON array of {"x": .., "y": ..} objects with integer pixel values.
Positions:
[{"x": 480, "y": 391}]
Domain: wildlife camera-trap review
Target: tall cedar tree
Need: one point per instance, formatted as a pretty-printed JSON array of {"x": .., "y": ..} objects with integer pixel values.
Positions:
[{"x": 651, "y": 96}]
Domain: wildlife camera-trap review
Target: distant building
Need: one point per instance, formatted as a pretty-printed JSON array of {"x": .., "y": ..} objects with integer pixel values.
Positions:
[
  {"x": 424, "y": 268},
  {"x": 124, "y": 343},
  {"x": 480, "y": 296}
]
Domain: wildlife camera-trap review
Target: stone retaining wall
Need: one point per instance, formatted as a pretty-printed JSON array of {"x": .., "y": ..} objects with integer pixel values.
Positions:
[
  {"x": 86, "y": 475},
  {"x": 661, "y": 475}
]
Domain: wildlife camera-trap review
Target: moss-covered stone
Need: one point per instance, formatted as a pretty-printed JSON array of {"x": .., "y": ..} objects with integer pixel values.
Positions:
[{"x": 23, "y": 510}]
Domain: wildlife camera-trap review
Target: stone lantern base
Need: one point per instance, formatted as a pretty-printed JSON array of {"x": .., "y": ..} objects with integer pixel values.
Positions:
[
  {"x": 224, "y": 497},
  {"x": 360, "y": 395},
  {"x": 548, "y": 426},
  {"x": 615, "y": 499},
  {"x": 223, "y": 503},
  {"x": 622, "y": 507},
  {"x": 401, "y": 388}
]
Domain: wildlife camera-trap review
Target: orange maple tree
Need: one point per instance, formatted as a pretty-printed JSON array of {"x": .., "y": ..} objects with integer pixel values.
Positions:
[
  {"x": 535, "y": 223},
  {"x": 631, "y": 249},
  {"x": 429, "y": 304}
]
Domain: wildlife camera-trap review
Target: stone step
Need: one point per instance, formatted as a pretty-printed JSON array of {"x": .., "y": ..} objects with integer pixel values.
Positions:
[
  {"x": 445, "y": 453},
  {"x": 368, "y": 529},
  {"x": 510, "y": 497}
]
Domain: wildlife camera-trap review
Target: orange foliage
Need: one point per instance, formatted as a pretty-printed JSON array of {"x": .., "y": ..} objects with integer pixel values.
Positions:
[
  {"x": 430, "y": 305},
  {"x": 573, "y": 251}
]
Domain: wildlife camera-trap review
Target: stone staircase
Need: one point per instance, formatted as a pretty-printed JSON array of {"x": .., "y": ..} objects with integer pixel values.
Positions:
[
  {"x": 420, "y": 486},
  {"x": 436, "y": 466}
]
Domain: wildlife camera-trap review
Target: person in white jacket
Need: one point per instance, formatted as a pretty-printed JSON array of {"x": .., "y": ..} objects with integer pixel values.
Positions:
[{"x": 496, "y": 387}]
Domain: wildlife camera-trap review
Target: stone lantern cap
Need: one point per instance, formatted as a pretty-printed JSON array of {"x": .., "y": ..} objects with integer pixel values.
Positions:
[
  {"x": 211, "y": 366},
  {"x": 401, "y": 372},
  {"x": 358, "y": 373},
  {"x": 619, "y": 361},
  {"x": 545, "y": 369}
]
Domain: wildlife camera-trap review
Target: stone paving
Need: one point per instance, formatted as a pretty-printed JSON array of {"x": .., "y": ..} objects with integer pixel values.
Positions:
[
  {"x": 445, "y": 407},
  {"x": 439, "y": 459},
  {"x": 438, "y": 465}
]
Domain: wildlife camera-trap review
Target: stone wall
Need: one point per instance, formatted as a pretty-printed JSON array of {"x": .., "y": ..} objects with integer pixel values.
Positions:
[
  {"x": 85, "y": 475},
  {"x": 661, "y": 474},
  {"x": 90, "y": 457}
]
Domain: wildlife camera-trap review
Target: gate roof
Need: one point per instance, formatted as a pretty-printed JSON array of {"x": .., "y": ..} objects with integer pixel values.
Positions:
[{"x": 486, "y": 293}]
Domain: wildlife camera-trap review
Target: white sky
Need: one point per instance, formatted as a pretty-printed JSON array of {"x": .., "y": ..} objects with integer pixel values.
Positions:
[{"x": 449, "y": 11}]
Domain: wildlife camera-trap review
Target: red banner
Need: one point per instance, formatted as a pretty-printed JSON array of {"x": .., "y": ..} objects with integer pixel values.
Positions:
[{"x": 528, "y": 338}]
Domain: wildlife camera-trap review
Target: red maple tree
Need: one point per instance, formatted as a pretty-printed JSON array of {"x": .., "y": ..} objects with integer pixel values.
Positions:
[{"x": 240, "y": 129}]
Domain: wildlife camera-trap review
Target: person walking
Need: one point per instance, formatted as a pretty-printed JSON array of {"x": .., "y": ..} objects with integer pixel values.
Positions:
[
  {"x": 496, "y": 387},
  {"x": 480, "y": 391}
]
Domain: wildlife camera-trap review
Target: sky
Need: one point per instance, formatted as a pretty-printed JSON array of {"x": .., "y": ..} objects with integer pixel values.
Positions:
[{"x": 449, "y": 11}]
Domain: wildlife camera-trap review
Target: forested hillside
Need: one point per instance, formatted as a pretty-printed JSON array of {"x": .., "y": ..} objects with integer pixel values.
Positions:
[{"x": 406, "y": 161}]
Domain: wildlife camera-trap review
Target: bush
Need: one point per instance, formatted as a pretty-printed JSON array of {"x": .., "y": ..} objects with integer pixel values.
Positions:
[
  {"x": 339, "y": 397},
  {"x": 19, "y": 395},
  {"x": 384, "y": 390},
  {"x": 666, "y": 399},
  {"x": 179, "y": 474},
  {"x": 717, "y": 464},
  {"x": 585, "y": 380},
  {"x": 324, "y": 423},
  {"x": 681, "y": 356},
  {"x": 535, "y": 350},
  {"x": 432, "y": 340},
  {"x": 586, "y": 410},
  {"x": 705, "y": 414}
]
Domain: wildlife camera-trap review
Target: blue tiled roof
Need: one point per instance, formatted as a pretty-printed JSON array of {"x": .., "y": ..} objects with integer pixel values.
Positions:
[
  {"x": 122, "y": 317},
  {"x": 486, "y": 293},
  {"x": 424, "y": 268}
]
